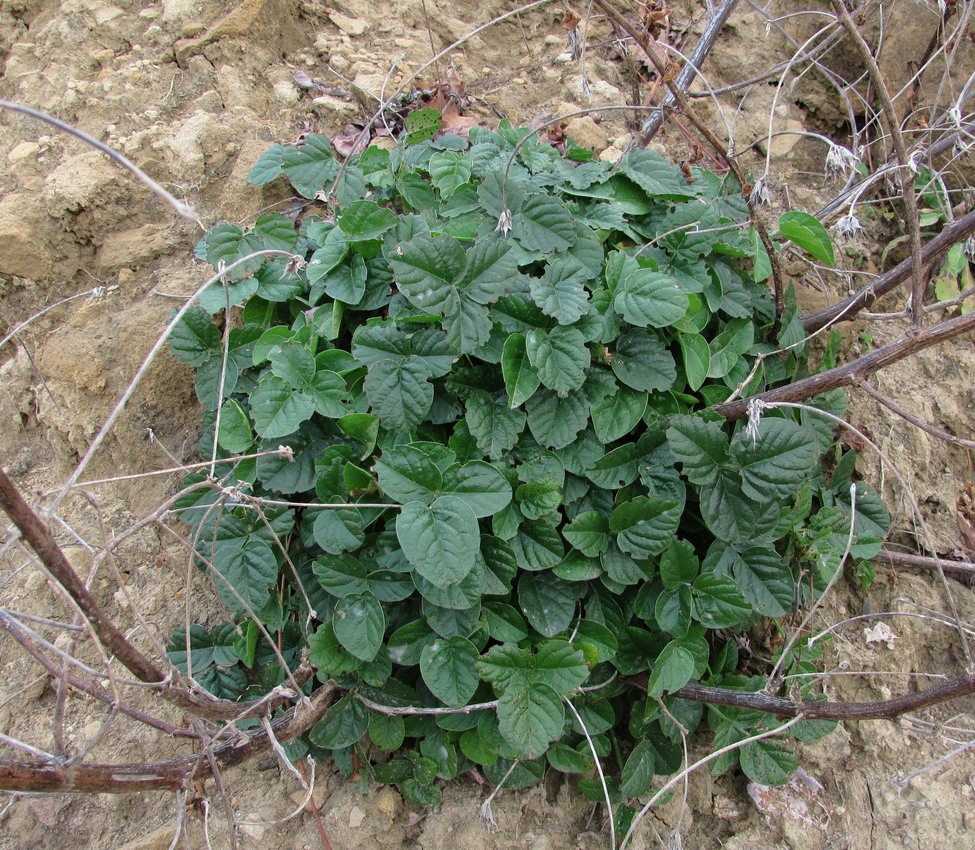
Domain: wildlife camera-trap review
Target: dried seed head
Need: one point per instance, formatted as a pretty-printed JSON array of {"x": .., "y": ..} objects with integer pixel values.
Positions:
[
  {"x": 504, "y": 222},
  {"x": 848, "y": 226},
  {"x": 841, "y": 160},
  {"x": 760, "y": 194}
]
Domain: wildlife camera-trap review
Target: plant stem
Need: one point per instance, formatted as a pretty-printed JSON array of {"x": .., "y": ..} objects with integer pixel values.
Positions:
[
  {"x": 850, "y": 373},
  {"x": 906, "y": 175}
]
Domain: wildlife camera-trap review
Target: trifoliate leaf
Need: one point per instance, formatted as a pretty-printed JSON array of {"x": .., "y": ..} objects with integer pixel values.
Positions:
[
  {"x": 399, "y": 393},
  {"x": 560, "y": 357}
]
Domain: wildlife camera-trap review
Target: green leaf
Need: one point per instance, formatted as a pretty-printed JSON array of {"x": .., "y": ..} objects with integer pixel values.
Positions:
[
  {"x": 364, "y": 220},
  {"x": 440, "y": 540},
  {"x": 449, "y": 170},
  {"x": 491, "y": 267},
  {"x": 468, "y": 324},
  {"x": 493, "y": 425},
  {"x": 278, "y": 409},
  {"x": 386, "y": 732},
  {"x": 406, "y": 644},
  {"x": 697, "y": 358},
  {"x": 765, "y": 580},
  {"x": 426, "y": 269},
  {"x": 638, "y": 772},
  {"x": 504, "y": 622},
  {"x": 267, "y": 167},
  {"x": 422, "y": 124},
  {"x": 679, "y": 564},
  {"x": 618, "y": 414},
  {"x": 548, "y": 603},
  {"x": 642, "y": 361},
  {"x": 671, "y": 671},
  {"x": 589, "y": 533},
  {"x": 728, "y": 347},
  {"x": 359, "y": 624},
  {"x": 774, "y": 463},
  {"x": 251, "y": 570},
  {"x": 566, "y": 759},
  {"x": 538, "y": 545},
  {"x": 399, "y": 393},
  {"x": 341, "y": 575},
  {"x": 343, "y": 724},
  {"x": 655, "y": 175},
  {"x": 520, "y": 378},
  {"x": 407, "y": 474},
  {"x": 194, "y": 338},
  {"x": 544, "y": 224},
  {"x": 809, "y": 234},
  {"x": 529, "y": 718},
  {"x": 718, "y": 603},
  {"x": 650, "y": 298},
  {"x": 767, "y": 762},
  {"x": 482, "y": 486},
  {"x": 338, "y": 530},
  {"x": 448, "y": 669},
  {"x": 538, "y": 498},
  {"x": 560, "y": 357},
  {"x": 700, "y": 446},
  {"x": 561, "y": 292},
  {"x": 644, "y": 526},
  {"x": 310, "y": 166},
  {"x": 732, "y": 516},
  {"x": 235, "y": 434}
]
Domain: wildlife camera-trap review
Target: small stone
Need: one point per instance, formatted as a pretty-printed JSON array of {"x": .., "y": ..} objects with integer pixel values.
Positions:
[
  {"x": 106, "y": 14},
  {"x": 348, "y": 25},
  {"x": 23, "y": 151},
  {"x": 102, "y": 57},
  {"x": 356, "y": 817},
  {"x": 333, "y": 105},
  {"x": 611, "y": 155},
  {"x": 389, "y": 803},
  {"x": 586, "y": 132},
  {"x": 551, "y": 38},
  {"x": 192, "y": 29}
]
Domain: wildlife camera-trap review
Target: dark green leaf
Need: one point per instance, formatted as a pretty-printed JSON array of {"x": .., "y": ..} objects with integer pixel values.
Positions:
[
  {"x": 560, "y": 292},
  {"x": 642, "y": 361},
  {"x": 400, "y": 393},
  {"x": 548, "y": 603},
  {"x": 520, "y": 378},
  {"x": 359, "y": 624},
  {"x": 648, "y": 298},
  {"x": 440, "y": 540},
  {"x": 544, "y": 224},
  {"x": 530, "y": 717},
  {"x": 343, "y": 724},
  {"x": 448, "y": 669}
]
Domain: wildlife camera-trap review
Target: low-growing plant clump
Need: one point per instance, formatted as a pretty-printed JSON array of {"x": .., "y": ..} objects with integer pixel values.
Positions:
[{"x": 507, "y": 523}]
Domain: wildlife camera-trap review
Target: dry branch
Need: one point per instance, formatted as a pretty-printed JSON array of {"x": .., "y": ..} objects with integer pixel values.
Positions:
[
  {"x": 783, "y": 707},
  {"x": 850, "y": 373},
  {"x": 933, "y": 250},
  {"x": 173, "y": 774}
]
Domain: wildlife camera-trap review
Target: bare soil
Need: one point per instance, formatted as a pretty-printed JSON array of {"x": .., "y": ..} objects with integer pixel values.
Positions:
[{"x": 194, "y": 91}]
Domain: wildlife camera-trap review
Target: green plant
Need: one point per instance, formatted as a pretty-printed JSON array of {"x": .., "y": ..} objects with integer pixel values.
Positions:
[{"x": 504, "y": 491}]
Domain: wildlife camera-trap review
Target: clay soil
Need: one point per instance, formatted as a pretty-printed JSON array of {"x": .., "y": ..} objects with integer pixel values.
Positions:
[{"x": 194, "y": 91}]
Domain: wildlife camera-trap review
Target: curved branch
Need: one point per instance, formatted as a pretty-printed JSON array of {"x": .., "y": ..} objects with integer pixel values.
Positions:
[
  {"x": 850, "y": 373},
  {"x": 40, "y": 539},
  {"x": 782, "y": 707},
  {"x": 848, "y": 309},
  {"x": 172, "y": 774}
]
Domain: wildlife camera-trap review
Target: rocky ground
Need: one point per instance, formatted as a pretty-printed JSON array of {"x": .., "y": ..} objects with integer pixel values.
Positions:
[{"x": 194, "y": 93}]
